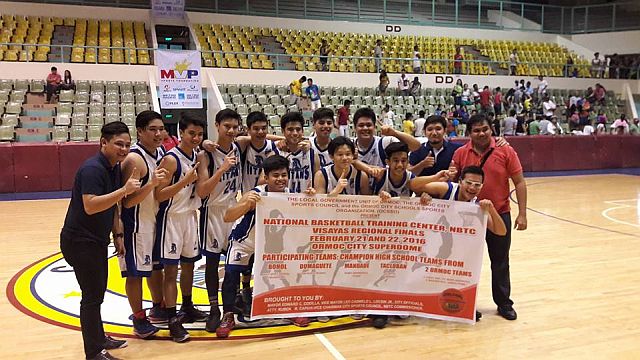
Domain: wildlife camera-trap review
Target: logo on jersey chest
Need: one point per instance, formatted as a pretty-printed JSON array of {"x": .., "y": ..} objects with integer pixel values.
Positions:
[
  {"x": 254, "y": 169},
  {"x": 299, "y": 172}
]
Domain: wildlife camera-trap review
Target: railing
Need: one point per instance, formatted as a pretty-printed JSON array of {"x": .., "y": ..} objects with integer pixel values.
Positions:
[
  {"x": 66, "y": 50},
  {"x": 352, "y": 62},
  {"x": 459, "y": 13}
]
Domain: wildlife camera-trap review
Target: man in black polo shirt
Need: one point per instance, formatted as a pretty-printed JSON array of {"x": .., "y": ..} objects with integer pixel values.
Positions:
[
  {"x": 93, "y": 213},
  {"x": 437, "y": 153}
]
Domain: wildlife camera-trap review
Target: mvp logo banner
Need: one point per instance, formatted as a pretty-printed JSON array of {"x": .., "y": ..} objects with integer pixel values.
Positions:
[
  {"x": 179, "y": 79},
  {"x": 321, "y": 256}
]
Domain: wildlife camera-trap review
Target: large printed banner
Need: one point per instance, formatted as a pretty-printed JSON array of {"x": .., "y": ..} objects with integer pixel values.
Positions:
[
  {"x": 168, "y": 8},
  {"x": 320, "y": 255},
  {"x": 179, "y": 79}
]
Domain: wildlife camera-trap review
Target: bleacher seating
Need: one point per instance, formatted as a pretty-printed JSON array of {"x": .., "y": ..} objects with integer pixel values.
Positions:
[
  {"x": 25, "y": 30},
  {"x": 226, "y": 40},
  {"x": 79, "y": 114}
]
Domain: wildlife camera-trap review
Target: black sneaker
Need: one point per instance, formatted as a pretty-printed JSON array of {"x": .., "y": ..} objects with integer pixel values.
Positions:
[
  {"x": 507, "y": 312},
  {"x": 112, "y": 344},
  {"x": 213, "y": 321},
  {"x": 190, "y": 314},
  {"x": 104, "y": 355},
  {"x": 177, "y": 331},
  {"x": 380, "y": 321},
  {"x": 143, "y": 328},
  {"x": 478, "y": 315},
  {"x": 158, "y": 315}
]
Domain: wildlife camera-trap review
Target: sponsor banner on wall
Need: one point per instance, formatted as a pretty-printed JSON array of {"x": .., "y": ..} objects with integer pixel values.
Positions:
[
  {"x": 321, "y": 255},
  {"x": 179, "y": 79},
  {"x": 168, "y": 8}
]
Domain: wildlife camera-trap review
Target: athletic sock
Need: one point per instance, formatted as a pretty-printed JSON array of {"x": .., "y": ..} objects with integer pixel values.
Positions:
[{"x": 140, "y": 314}]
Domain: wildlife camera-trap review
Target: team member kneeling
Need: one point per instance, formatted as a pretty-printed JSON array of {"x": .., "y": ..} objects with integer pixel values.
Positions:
[{"x": 242, "y": 238}]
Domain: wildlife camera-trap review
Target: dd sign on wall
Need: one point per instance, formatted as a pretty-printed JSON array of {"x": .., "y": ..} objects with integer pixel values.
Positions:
[{"x": 179, "y": 79}]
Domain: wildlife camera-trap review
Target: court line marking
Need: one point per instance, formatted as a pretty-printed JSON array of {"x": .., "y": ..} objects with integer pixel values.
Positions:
[
  {"x": 618, "y": 204},
  {"x": 511, "y": 197},
  {"x": 332, "y": 349}
]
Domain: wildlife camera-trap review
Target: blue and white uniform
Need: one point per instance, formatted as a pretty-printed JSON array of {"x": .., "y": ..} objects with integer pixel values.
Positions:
[
  {"x": 242, "y": 243},
  {"x": 374, "y": 155},
  {"x": 140, "y": 223},
  {"x": 214, "y": 232},
  {"x": 454, "y": 191},
  {"x": 331, "y": 180},
  {"x": 323, "y": 154},
  {"x": 252, "y": 159},
  {"x": 177, "y": 219},
  {"x": 300, "y": 169},
  {"x": 395, "y": 190}
]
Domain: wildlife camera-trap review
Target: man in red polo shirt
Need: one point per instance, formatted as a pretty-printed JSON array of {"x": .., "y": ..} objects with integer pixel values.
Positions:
[
  {"x": 343, "y": 119},
  {"x": 499, "y": 164},
  {"x": 485, "y": 100}
]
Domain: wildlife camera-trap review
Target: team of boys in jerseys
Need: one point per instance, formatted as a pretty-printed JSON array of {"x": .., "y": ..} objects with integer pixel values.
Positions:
[{"x": 163, "y": 229}]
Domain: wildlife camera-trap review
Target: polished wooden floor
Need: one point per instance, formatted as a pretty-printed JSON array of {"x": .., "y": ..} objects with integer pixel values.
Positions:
[{"x": 575, "y": 279}]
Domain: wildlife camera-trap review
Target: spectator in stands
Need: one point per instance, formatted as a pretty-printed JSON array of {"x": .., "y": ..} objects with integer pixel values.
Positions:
[
  {"x": 599, "y": 95},
  {"x": 313, "y": 93},
  {"x": 403, "y": 84},
  {"x": 586, "y": 130},
  {"x": 602, "y": 117},
  {"x": 597, "y": 66},
  {"x": 408, "y": 127},
  {"x": 542, "y": 87},
  {"x": 568, "y": 67},
  {"x": 296, "y": 90},
  {"x": 526, "y": 104},
  {"x": 67, "y": 81},
  {"x": 416, "y": 86},
  {"x": 521, "y": 125},
  {"x": 169, "y": 141},
  {"x": 343, "y": 119},
  {"x": 439, "y": 111},
  {"x": 601, "y": 128},
  {"x": 510, "y": 124},
  {"x": 548, "y": 106},
  {"x": 324, "y": 55},
  {"x": 384, "y": 83},
  {"x": 533, "y": 127},
  {"x": 475, "y": 94},
  {"x": 419, "y": 124},
  {"x": 544, "y": 126},
  {"x": 53, "y": 81},
  {"x": 574, "y": 121},
  {"x": 528, "y": 89},
  {"x": 452, "y": 128},
  {"x": 416, "y": 60},
  {"x": 634, "y": 129},
  {"x": 466, "y": 95},
  {"x": 377, "y": 54},
  {"x": 457, "y": 93},
  {"x": 387, "y": 116},
  {"x": 620, "y": 126},
  {"x": 513, "y": 62},
  {"x": 485, "y": 100},
  {"x": 553, "y": 128},
  {"x": 457, "y": 62},
  {"x": 494, "y": 121},
  {"x": 497, "y": 101},
  {"x": 614, "y": 64}
]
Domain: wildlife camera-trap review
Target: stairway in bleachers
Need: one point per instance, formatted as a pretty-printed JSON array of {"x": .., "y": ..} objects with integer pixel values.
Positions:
[
  {"x": 477, "y": 55},
  {"x": 62, "y": 35},
  {"x": 273, "y": 46}
]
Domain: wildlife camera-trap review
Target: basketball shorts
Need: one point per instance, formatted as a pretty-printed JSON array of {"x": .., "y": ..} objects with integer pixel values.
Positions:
[
  {"x": 214, "y": 232},
  {"x": 138, "y": 258},
  {"x": 179, "y": 239},
  {"x": 240, "y": 254}
]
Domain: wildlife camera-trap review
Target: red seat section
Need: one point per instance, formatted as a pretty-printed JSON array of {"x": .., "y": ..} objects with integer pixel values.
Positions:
[
  {"x": 7, "y": 184},
  {"x": 72, "y": 155},
  {"x": 36, "y": 166}
]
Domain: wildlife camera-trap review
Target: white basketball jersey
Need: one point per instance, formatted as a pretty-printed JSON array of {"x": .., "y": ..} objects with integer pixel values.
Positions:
[
  {"x": 331, "y": 179},
  {"x": 300, "y": 170},
  {"x": 186, "y": 199},
  {"x": 252, "y": 163},
  {"x": 395, "y": 190},
  {"x": 454, "y": 191},
  {"x": 225, "y": 192},
  {"x": 323, "y": 155},
  {"x": 142, "y": 217},
  {"x": 374, "y": 155}
]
